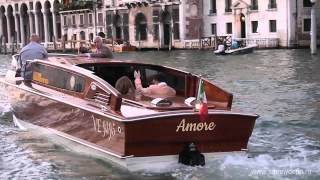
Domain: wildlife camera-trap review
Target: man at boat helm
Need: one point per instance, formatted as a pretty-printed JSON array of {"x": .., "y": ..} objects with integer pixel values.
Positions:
[
  {"x": 102, "y": 51},
  {"x": 33, "y": 50},
  {"x": 158, "y": 87}
]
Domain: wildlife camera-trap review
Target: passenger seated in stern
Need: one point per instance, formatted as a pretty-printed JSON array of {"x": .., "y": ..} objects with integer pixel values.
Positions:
[
  {"x": 124, "y": 85},
  {"x": 157, "y": 88}
]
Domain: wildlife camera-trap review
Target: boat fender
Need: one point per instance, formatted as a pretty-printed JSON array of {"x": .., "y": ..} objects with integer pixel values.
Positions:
[{"x": 191, "y": 156}]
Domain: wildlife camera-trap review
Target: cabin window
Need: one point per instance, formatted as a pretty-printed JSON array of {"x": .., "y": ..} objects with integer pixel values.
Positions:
[
  {"x": 111, "y": 74},
  {"x": 57, "y": 78}
]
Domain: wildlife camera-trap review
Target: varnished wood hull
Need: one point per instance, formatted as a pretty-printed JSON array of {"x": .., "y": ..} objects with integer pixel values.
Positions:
[{"x": 155, "y": 135}]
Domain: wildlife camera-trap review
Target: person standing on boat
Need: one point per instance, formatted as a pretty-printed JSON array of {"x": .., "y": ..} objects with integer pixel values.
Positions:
[
  {"x": 158, "y": 87},
  {"x": 102, "y": 51},
  {"x": 33, "y": 50}
]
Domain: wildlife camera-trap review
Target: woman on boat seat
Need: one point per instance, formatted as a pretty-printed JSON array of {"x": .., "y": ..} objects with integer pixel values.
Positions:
[
  {"x": 124, "y": 85},
  {"x": 157, "y": 88}
]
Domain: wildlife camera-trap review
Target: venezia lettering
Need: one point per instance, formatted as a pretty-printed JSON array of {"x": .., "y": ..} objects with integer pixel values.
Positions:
[
  {"x": 106, "y": 128},
  {"x": 200, "y": 126}
]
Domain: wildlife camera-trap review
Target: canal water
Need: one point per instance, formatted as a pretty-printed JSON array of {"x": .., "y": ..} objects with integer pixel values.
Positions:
[{"x": 282, "y": 86}]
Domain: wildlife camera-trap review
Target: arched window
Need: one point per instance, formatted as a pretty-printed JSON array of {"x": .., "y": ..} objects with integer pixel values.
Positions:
[
  {"x": 141, "y": 27},
  {"x": 82, "y": 35}
]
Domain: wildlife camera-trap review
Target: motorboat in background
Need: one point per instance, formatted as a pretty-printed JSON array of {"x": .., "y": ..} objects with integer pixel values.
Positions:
[
  {"x": 236, "y": 47},
  {"x": 75, "y": 98}
]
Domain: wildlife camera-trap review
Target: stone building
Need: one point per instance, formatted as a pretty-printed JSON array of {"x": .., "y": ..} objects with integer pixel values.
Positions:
[
  {"x": 155, "y": 23},
  {"x": 287, "y": 22},
  {"x": 143, "y": 23},
  {"x": 19, "y": 19}
]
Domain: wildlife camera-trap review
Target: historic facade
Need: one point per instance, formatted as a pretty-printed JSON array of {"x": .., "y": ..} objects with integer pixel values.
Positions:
[
  {"x": 19, "y": 19},
  {"x": 155, "y": 23},
  {"x": 288, "y": 21},
  {"x": 143, "y": 23}
]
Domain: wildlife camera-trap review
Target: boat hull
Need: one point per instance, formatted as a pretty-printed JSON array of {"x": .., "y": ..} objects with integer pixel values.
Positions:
[
  {"x": 161, "y": 134},
  {"x": 159, "y": 163}
]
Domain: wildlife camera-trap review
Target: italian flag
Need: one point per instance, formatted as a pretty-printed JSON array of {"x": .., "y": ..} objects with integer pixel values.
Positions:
[{"x": 201, "y": 97}]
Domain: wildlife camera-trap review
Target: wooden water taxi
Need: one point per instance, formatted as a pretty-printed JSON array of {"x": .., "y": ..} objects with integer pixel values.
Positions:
[{"x": 75, "y": 98}]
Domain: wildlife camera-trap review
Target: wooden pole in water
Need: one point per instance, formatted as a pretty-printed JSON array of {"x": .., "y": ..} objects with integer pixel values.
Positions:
[
  {"x": 0, "y": 44},
  {"x": 5, "y": 45},
  {"x": 12, "y": 44},
  {"x": 313, "y": 32}
]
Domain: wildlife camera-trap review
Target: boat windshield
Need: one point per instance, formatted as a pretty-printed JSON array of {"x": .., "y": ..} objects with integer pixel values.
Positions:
[{"x": 112, "y": 72}]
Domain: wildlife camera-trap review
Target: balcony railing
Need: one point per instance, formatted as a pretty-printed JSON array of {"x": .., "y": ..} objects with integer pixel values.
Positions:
[{"x": 77, "y": 5}]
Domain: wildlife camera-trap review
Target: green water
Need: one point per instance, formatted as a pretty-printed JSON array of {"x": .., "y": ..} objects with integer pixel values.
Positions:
[{"x": 282, "y": 86}]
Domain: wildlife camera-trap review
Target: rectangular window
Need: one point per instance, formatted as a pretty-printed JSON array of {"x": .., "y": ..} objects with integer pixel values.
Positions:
[
  {"x": 228, "y": 6},
  {"x": 307, "y": 3},
  {"x": 176, "y": 30},
  {"x": 155, "y": 31},
  {"x": 90, "y": 19},
  {"x": 175, "y": 15},
  {"x": 213, "y": 7},
  {"x": 100, "y": 19},
  {"x": 214, "y": 29},
  {"x": 109, "y": 19},
  {"x": 65, "y": 22},
  {"x": 254, "y": 25},
  {"x": 126, "y": 33},
  {"x": 155, "y": 16},
  {"x": 109, "y": 32},
  {"x": 31, "y": 5},
  {"x": 254, "y": 5},
  {"x": 73, "y": 20},
  {"x": 109, "y": 25},
  {"x": 273, "y": 26},
  {"x": 81, "y": 19},
  {"x": 125, "y": 19},
  {"x": 272, "y": 4},
  {"x": 229, "y": 28},
  {"x": 306, "y": 25}
]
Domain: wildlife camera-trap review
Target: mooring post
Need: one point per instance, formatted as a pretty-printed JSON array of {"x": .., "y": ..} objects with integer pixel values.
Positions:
[
  {"x": 5, "y": 45},
  {"x": 12, "y": 45},
  {"x": 0, "y": 44},
  {"x": 313, "y": 32}
]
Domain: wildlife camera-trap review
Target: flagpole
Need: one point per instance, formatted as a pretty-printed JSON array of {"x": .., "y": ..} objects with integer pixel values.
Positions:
[{"x": 199, "y": 86}]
